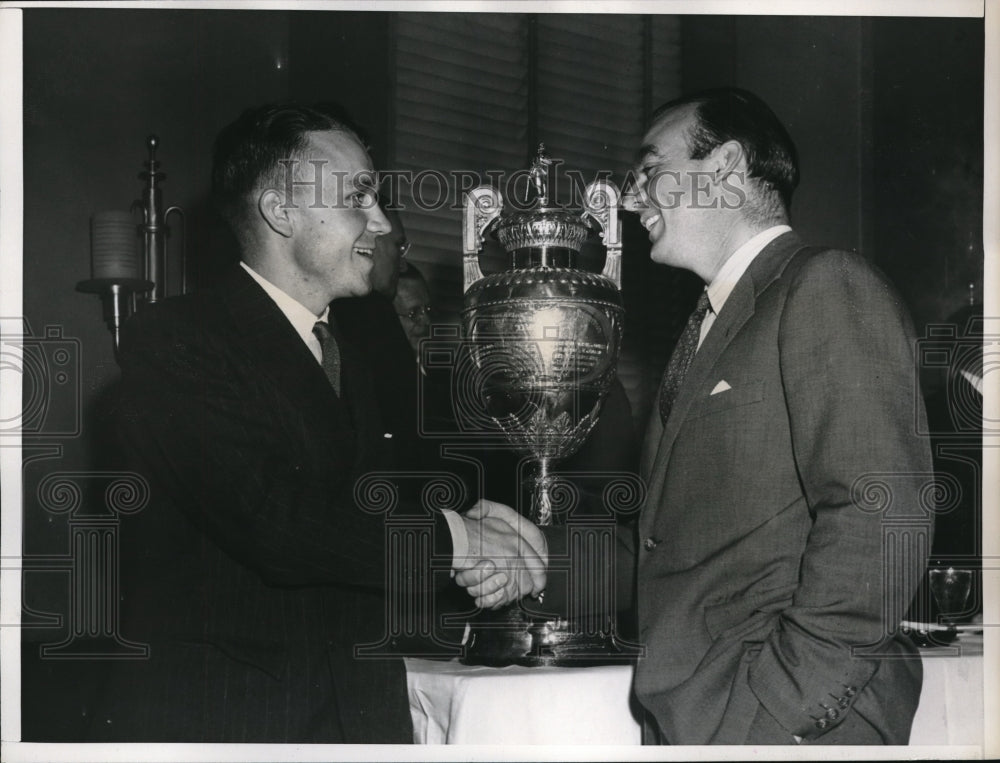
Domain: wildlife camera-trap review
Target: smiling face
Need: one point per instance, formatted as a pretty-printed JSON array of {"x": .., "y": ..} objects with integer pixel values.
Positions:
[
  {"x": 672, "y": 195},
  {"x": 335, "y": 224}
]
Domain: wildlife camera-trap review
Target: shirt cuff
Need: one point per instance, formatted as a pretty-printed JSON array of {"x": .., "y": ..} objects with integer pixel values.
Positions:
[{"x": 459, "y": 538}]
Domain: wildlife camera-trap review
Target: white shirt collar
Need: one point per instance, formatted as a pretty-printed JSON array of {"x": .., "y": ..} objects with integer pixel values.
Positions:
[
  {"x": 734, "y": 268},
  {"x": 301, "y": 317}
]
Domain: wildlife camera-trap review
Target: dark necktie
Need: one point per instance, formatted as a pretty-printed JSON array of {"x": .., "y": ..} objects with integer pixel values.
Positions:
[
  {"x": 328, "y": 342},
  {"x": 680, "y": 359}
]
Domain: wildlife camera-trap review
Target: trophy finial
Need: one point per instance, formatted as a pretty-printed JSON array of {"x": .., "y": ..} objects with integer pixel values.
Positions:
[{"x": 539, "y": 175}]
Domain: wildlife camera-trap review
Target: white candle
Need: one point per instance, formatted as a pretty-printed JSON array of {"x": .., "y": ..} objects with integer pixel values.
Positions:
[{"x": 114, "y": 246}]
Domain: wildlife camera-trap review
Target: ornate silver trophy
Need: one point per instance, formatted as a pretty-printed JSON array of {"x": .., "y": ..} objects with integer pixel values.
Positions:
[
  {"x": 544, "y": 335},
  {"x": 544, "y": 339}
]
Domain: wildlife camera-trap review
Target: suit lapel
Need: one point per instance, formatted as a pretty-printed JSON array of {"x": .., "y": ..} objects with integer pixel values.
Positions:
[
  {"x": 739, "y": 307},
  {"x": 264, "y": 333}
]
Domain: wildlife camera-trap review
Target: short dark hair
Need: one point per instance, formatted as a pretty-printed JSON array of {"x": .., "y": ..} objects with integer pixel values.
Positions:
[
  {"x": 248, "y": 152},
  {"x": 731, "y": 113}
]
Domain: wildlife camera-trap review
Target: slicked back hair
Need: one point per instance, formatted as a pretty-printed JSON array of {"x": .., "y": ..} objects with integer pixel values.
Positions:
[{"x": 724, "y": 114}]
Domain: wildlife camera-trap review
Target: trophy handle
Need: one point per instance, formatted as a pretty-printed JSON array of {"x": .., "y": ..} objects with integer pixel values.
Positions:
[
  {"x": 600, "y": 200},
  {"x": 483, "y": 205}
]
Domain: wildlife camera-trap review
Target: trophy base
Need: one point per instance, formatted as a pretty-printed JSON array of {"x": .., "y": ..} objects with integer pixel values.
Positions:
[{"x": 515, "y": 637}]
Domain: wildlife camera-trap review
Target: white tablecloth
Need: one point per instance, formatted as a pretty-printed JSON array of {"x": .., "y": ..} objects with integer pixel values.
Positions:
[
  {"x": 951, "y": 702},
  {"x": 457, "y": 704}
]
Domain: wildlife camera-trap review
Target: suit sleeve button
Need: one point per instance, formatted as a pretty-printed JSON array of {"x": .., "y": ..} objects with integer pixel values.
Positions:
[
  {"x": 649, "y": 544},
  {"x": 822, "y": 723},
  {"x": 832, "y": 714},
  {"x": 851, "y": 691},
  {"x": 843, "y": 702}
]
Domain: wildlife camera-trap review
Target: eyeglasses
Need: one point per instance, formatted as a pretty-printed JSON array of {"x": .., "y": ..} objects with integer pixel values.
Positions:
[{"x": 422, "y": 311}]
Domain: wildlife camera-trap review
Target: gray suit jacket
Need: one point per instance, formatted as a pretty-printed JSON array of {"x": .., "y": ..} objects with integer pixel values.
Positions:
[{"x": 786, "y": 524}]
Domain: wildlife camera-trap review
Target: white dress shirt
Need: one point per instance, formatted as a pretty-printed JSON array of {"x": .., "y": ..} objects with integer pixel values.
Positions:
[
  {"x": 731, "y": 272},
  {"x": 303, "y": 320},
  {"x": 301, "y": 317}
]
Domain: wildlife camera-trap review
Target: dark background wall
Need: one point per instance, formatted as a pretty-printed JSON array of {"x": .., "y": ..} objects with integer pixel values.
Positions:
[
  {"x": 96, "y": 83},
  {"x": 927, "y": 161},
  {"x": 810, "y": 71},
  {"x": 887, "y": 114}
]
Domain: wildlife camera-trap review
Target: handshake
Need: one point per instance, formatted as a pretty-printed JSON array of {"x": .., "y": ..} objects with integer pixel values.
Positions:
[{"x": 506, "y": 557}]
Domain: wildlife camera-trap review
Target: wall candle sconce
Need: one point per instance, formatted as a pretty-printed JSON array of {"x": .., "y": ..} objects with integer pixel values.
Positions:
[{"x": 121, "y": 275}]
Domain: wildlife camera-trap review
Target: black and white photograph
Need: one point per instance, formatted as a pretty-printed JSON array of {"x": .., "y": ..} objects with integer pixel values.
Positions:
[{"x": 530, "y": 381}]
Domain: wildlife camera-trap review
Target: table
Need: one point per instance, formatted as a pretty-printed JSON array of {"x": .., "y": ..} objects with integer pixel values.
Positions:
[
  {"x": 951, "y": 701},
  {"x": 457, "y": 704}
]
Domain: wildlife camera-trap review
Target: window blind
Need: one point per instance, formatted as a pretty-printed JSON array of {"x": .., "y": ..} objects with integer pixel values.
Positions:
[
  {"x": 460, "y": 106},
  {"x": 473, "y": 90}
]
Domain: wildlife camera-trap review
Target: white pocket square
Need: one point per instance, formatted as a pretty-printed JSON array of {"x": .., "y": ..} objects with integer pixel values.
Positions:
[{"x": 722, "y": 386}]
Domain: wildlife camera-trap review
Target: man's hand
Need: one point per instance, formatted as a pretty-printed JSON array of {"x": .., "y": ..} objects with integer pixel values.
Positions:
[{"x": 507, "y": 558}]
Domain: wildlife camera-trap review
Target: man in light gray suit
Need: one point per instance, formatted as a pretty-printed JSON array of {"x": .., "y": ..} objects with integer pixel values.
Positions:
[
  {"x": 785, "y": 527},
  {"x": 768, "y": 596}
]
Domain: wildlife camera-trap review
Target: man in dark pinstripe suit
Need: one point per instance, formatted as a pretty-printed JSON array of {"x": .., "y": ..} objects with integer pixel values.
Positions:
[{"x": 253, "y": 574}]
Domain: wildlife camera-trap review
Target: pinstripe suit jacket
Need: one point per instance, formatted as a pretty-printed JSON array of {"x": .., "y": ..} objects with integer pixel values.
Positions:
[
  {"x": 771, "y": 572},
  {"x": 253, "y": 573}
]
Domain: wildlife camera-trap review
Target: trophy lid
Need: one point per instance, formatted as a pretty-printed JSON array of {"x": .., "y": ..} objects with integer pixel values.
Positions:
[
  {"x": 544, "y": 228},
  {"x": 545, "y": 235}
]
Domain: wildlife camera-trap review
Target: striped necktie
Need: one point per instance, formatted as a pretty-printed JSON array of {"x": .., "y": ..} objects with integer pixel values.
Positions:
[
  {"x": 683, "y": 354},
  {"x": 326, "y": 333}
]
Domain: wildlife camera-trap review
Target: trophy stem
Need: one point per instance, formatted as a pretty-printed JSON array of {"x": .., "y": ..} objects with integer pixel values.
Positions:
[{"x": 541, "y": 493}]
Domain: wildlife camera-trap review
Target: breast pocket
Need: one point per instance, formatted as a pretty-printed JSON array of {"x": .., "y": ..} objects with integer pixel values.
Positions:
[{"x": 737, "y": 396}]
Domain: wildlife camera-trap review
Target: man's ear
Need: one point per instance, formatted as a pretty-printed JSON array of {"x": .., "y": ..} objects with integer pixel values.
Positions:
[
  {"x": 728, "y": 158},
  {"x": 275, "y": 212}
]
